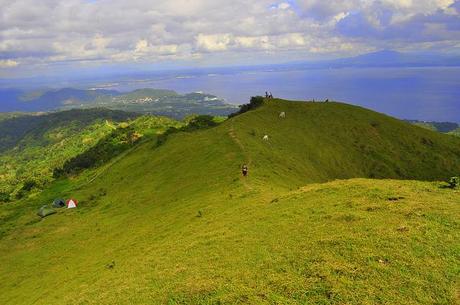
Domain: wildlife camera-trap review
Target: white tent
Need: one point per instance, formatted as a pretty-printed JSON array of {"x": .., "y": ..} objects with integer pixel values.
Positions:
[{"x": 71, "y": 203}]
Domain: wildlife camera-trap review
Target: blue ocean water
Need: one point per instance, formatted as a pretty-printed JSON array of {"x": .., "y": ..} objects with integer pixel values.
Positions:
[{"x": 431, "y": 93}]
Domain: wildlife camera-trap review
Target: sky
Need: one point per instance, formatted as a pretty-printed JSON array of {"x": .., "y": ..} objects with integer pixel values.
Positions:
[{"x": 46, "y": 37}]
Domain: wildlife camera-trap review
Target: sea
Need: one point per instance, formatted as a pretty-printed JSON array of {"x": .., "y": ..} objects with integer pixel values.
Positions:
[{"x": 427, "y": 93}]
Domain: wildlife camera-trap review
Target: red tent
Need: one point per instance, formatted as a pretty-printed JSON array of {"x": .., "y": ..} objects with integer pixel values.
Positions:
[{"x": 71, "y": 203}]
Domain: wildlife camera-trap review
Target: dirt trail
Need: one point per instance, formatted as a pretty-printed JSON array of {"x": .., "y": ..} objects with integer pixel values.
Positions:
[{"x": 248, "y": 159}]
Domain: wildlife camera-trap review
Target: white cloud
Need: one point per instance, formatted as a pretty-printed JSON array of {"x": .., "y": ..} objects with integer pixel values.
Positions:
[
  {"x": 8, "y": 63},
  {"x": 214, "y": 42},
  {"x": 142, "y": 46},
  {"x": 46, "y": 31},
  {"x": 283, "y": 6}
]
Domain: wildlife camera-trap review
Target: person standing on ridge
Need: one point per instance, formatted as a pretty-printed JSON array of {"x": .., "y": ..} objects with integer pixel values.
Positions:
[{"x": 244, "y": 170}]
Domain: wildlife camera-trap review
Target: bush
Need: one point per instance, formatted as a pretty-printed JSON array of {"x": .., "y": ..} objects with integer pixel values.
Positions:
[
  {"x": 29, "y": 185},
  {"x": 4, "y": 197},
  {"x": 161, "y": 139},
  {"x": 255, "y": 102},
  {"x": 201, "y": 122},
  {"x": 453, "y": 182},
  {"x": 108, "y": 147},
  {"x": 194, "y": 123}
]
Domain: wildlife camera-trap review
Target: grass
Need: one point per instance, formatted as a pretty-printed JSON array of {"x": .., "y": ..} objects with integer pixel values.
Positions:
[{"x": 177, "y": 224}]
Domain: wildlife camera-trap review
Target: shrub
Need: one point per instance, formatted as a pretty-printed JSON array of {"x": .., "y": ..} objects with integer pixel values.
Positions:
[
  {"x": 28, "y": 185},
  {"x": 108, "y": 147},
  {"x": 255, "y": 102},
  {"x": 201, "y": 122},
  {"x": 453, "y": 182},
  {"x": 4, "y": 197},
  {"x": 193, "y": 123}
]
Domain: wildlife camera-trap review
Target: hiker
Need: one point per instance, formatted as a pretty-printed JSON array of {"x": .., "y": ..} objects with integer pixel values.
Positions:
[
  {"x": 244, "y": 170},
  {"x": 266, "y": 94},
  {"x": 271, "y": 95}
]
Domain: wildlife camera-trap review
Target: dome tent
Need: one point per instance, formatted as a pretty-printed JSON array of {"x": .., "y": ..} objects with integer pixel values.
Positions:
[
  {"x": 45, "y": 211},
  {"x": 71, "y": 203},
  {"x": 58, "y": 203}
]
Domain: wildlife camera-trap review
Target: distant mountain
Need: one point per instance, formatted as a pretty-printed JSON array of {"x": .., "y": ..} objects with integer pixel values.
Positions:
[
  {"x": 67, "y": 96},
  {"x": 388, "y": 58},
  {"x": 152, "y": 101},
  {"x": 380, "y": 59},
  {"x": 444, "y": 127},
  {"x": 37, "y": 100}
]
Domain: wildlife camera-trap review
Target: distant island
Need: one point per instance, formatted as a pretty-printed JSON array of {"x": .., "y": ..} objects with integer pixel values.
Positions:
[{"x": 147, "y": 101}]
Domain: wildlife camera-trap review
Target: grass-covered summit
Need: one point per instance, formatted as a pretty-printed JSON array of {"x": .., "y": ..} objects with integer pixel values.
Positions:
[
  {"x": 177, "y": 223},
  {"x": 322, "y": 141}
]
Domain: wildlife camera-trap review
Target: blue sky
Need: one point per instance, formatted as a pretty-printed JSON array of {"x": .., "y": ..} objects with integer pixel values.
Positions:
[{"x": 52, "y": 36}]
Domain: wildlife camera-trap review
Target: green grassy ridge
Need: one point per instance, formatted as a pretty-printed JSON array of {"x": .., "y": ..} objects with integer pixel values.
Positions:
[
  {"x": 318, "y": 142},
  {"x": 183, "y": 226},
  {"x": 49, "y": 141}
]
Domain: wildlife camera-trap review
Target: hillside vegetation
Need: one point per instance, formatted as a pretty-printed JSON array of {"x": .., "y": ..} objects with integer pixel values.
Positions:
[
  {"x": 33, "y": 146},
  {"x": 177, "y": 223}
]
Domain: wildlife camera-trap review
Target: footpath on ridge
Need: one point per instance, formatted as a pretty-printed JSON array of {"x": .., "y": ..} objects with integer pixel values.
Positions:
[{"x": 248, "y": 159}]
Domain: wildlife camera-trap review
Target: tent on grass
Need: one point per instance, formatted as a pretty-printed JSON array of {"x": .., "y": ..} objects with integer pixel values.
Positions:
[
  {"x": 58, "y": 203},
  {"x": 71, "y": 203},
  {"x": 45, "y": 211}
]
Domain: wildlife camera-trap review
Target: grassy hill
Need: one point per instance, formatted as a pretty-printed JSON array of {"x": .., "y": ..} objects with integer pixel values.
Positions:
[
  {"x": 32, "y": 146},
  {"x": 177, "y": 224}
]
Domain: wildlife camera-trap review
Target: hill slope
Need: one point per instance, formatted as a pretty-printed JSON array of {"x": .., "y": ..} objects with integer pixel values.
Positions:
[
  {"x": 322, "y": 141},
  {"x": 32, "y": 146},
  {"x": 16, "y": 128},
  {"x": 176, "y": 223}
]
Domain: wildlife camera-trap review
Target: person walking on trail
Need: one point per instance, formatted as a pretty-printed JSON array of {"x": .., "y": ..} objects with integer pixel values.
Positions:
[{"x": 244, "y": 170}]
